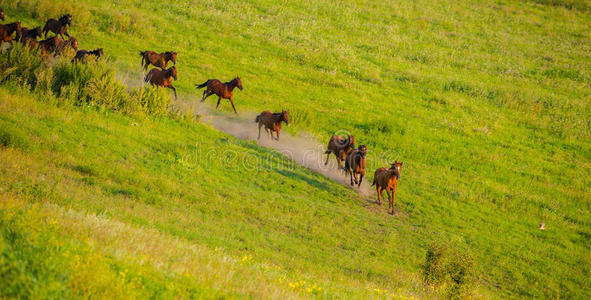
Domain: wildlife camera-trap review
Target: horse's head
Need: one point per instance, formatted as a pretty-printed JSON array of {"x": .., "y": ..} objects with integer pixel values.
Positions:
[
  {"x": 171, "y": 55},
  {"x": 351, "y": 140},
  {"x": 98, "y": 52},
  {"x": 285, "y": 116},
  {"x": 396, "y": 165},
  {"x": 1, "y": 14},
  {"x": 172, "y": 72},
  {"x": 238, "y": 82},
  {"x": 66, "y": 19},
  {"x": 362, "y": 150},
  {"x": 73, "y": 43}
]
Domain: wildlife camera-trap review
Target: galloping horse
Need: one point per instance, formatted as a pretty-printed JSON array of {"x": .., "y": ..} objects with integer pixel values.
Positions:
[
  {"x": 62, "y": 45},
  {"x": 355, "y": 163},
  {"x": 272, "y": 122},
  {"x": 162, "y": 78},
  {"x": 49, "y": 45},
  {"x": 387, "y": 179},
  {"x": 58, "y": 26},
  {"x": 340, "y": 147},
  {"x": 158, "y": 60},
  {"x": 7, "y": 30},
  {"x": 28, "y": 33},
  {"x": 81, "y": 54},
  {"x": 222, "y": 90}
]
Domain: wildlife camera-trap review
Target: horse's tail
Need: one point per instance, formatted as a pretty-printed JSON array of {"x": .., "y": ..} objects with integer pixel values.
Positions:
[
  {"x": 256, "y": 120},
  {"x": 374, "y": 182},
  {"x": 204, "y": 85},
  {"x": 327, "y": 152}
]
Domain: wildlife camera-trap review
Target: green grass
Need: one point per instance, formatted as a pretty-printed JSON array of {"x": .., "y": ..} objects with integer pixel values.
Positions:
[{"x": 487, "y": 103}]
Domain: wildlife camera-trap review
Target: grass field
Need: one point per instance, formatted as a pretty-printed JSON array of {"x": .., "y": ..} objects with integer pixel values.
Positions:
[{"x": 488, "y": 103}]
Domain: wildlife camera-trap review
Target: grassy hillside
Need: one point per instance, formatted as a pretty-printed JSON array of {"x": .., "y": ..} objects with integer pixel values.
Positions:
[{"x": 487, "y": 103}]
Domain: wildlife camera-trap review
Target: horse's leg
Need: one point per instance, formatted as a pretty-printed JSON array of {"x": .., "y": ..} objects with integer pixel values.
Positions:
[
  {"x": 351, "y": 176},
  {"x": 260, "y": 124},
  {"x": 219, "y": 99},
  {"x": 393, "y": 194},
  {"x": 360, "y": 179},
  {"x": 172, "y": 87},
  {"x": 355, "y": 176},
  {"x": 327, "y": 157},
  {"x": 278, "y": 132},
  {"x": 232, "y": 101},
  {"x": 205, "y": 95},
  {"x": 379, "y": 192}
]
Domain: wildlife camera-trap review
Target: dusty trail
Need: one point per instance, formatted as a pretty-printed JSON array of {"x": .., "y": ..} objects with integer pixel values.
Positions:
[{"x": 301, "y": 149}]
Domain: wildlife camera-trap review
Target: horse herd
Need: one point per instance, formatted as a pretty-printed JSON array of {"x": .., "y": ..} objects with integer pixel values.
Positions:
[{"x": 342, "y": 147}]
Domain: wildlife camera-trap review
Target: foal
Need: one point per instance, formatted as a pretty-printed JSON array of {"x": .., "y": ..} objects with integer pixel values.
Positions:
[
  {"x": 272, "y": 122},
  {"x": 82, "y": 54}
]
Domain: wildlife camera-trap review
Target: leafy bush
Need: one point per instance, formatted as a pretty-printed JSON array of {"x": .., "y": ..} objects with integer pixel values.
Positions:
[
  {"x": 20, "y": 65},
  {"x": 106, "y": 92},
  {"x": 449, "y": 268},
  {"x": 149, "y": 100}
]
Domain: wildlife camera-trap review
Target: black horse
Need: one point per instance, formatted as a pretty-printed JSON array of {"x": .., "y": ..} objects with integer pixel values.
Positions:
[{"x": 58, "y": 26}]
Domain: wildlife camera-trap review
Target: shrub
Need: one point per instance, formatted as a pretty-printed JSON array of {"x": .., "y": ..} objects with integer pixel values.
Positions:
[
  {"x": 149, "y": 100},
  {"x": 106, "y": 92},
  {"x": 20, "y": 65},
  {"x": 449, "y": 268}
]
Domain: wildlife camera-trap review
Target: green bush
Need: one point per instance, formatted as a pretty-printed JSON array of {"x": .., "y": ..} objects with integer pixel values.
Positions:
[
  {"x": 106, "y": 92},
  {"x": 149, "y": 100},
  {"x": 20, "y": 65},
  {"x": 449, "y": 268}
]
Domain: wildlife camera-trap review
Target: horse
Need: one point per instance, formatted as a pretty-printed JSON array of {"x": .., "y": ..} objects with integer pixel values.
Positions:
[
  {"x": 62, "y": 45},
  {"x": 355, "y": 163},
  {"x": 81, "y": 54},
  {"x": 340, "y": 147},
  {"x": 387, "y": 179},
  {"x": 59, "y": 26},
  {"x": 29, "y": 33},
  {"x": 222, "y": 90},
  {"x": 2, "y": 14},
  {"x": 158, "y": 60},
  {"x": 7, "y": 30},
  {"x": 50, "y": 45},
  {"x": 162, "y": 78},
  {"x": 272, "y": 122}
]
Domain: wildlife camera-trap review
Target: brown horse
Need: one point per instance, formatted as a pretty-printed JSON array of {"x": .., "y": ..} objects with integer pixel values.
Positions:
[
  {"x": 272, "y": 122},
  {"x": 81, "y": 54},
  {"x": 162, "y": 78},
  {"x": 355, "y": 163},
  {"x": 158, "y": 60},
  {"x": 1, "y": 14},
  {"x": 340, "y": 147},
  {"x": 50, "y": 45},
  {"x": 7, "y": 30},
  {"x": 222, "y": 90},
  {"x": 28, "y": 33},
  {"x": 58, "y": 27},
  {"x": 62, "y": 45},
  {"x": 387, "y": 179}
]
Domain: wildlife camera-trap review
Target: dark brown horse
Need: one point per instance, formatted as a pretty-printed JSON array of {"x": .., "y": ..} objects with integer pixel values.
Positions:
[
  {"x": 82, "y": 54},
  {"x": 355, "y": 163},
  {"x": 272, "y": 122},
  {"x": 29, "y": 33},
  {"x": 162, "y": 78},
  {"x": 1, "y": 14},
  {"x": 58, "y": 27},
  {"x": 159, "y": 60},
  {"x": 7, "y": 30},
  {"x": 387, "y": 179},
  {"x": 222, "y": 90},
  {"x": 340, "y": 147}
]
